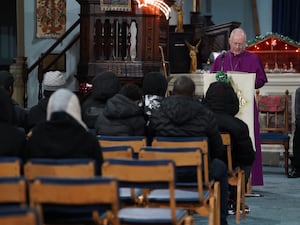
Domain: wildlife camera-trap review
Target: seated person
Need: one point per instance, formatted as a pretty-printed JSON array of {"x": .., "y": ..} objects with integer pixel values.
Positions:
[
  {"x": 154, "y": 90},
  {"x": 53, "y": 80},
  {"x": 12, "y": 139},
  {"x": 122, "y": 115},
  {"x": 221, "y": 99},
  {"x": 7, "y": 84},
  {"x": 63, "y": 134},
  {"x": 182, "y": 115},
  {"x": 295, "y": 160},
  {"x": 104, "y": 87}
]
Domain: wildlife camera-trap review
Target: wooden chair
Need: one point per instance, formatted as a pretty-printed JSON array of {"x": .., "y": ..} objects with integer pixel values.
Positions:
[
  {"x": 136, "y": 142},
  {"x": 118, "y": 151},
  {"x": 274, "y": 121},
  {"x": 236, "y": 177},
  {"x": 13, "y": 191},
  {"x": 10, "y": 166},
  {"x": 146, "y": 174},
  {"x": 75, "y": 200},
  {"x": 59, "y": 167},
  {"x": 198, "y": 142},
  {"x": 128, "y": 196},
  {"x": 193, "y": 199},
  {"x": 19, "y": 215}
]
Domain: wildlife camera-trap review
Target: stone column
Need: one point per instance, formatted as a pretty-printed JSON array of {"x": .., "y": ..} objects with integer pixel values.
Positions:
[{"x": 18, "y": 69}]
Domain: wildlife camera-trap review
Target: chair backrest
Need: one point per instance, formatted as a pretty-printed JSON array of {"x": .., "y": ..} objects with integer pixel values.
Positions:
[
  {"x": 136, "y": 142},
  {"x": 273, "y": 112},
  {"x": 143, "y": 174},
  {"x": 59, "y": 167},
  {"x": 93, "y": 195},
  {"x": 10, "y": 166},
  {"x": 183, "y": 157},
  {"x": 122, "y": 151},
  {"x": 227, "y": 143},
  {"x": 19, "y": 215},
  {"x": 196, "y": 142},
  {"x": 13, "y": 191}
]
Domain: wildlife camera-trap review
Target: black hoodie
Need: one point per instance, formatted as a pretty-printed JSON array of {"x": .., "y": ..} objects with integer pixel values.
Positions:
[
  {"x": 105, "y": 85},
  {"x": 222, "y": 100},
  {"x": 12, "y": 139}
]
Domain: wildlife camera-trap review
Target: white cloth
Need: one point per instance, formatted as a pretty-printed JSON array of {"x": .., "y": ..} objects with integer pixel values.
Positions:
[
  {"x": 53, "y": 80},
  {"x": 63, "y": 100}
]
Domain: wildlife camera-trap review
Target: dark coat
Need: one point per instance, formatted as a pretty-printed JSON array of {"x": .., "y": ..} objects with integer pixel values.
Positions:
[
  {"x": 21, "y": 116},
  {"x": 105, "y": 86},
  {"x": 12, "y": 139},
  {"x": 121, "y": 117},
  {"x": 91, "y": 110},
  {"x": 63, "y": 138},
  {"x": 37, "y": 113},
  {"x": 181, "y": 116},
  {"x": 222, "y": 100}
]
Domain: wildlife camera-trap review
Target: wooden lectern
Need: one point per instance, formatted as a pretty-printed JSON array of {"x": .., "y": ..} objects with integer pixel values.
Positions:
[{"x": 244, "y": 85}]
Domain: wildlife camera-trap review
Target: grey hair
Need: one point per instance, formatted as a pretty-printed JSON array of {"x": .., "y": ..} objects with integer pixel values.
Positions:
[{"x": 239, "y": 31}]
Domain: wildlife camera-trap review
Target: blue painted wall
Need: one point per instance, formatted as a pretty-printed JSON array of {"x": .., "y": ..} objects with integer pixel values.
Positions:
[{"x": 224, "y": 11}]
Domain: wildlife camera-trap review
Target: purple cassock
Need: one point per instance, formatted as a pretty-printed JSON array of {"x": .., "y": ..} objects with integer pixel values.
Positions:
[{"x": 246, "y": 62}]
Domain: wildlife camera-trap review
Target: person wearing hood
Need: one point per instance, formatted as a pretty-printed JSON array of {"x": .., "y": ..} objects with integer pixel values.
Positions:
[
  {"x": 105, "y": 85},
  {"x": 12, "y": 139},
  {"x": 53, "y": 80},
  {"x": 122, "y": 115},
  {"x": 221, "y": 99},
  {"x": 63, "y": 134},
  {"x": 182, "y": 115},
  {"x": 7, "y": 84},
  {"x": 154, "y": 91}
]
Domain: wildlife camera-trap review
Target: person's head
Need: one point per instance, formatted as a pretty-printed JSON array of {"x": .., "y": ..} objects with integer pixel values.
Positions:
[
  {"x": 7, "y": 81},
  {"x": 132, "y": 91},
  {"x": 221, "y": 98},
  {"x": 155, "y": 83},
  {"x": 105, "y": 85},
  {"x": 237, "y": 41},
  {"x": 65, "y": 101},
  {"x": 53, "y": 80},
  {"x": 184, "y": 85}
]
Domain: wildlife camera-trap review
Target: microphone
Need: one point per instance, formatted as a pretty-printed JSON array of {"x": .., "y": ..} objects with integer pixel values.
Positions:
[
  {"x": 223, "y": 53},
  {"x": 221, "y": 75}
]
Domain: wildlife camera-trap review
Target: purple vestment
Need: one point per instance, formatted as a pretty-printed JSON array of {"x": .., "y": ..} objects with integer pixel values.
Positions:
[{"x": 247, "y": 62}]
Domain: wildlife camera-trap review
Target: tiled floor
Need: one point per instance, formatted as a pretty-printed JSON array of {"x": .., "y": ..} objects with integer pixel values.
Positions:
[{"x": 278, "y": 205}]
